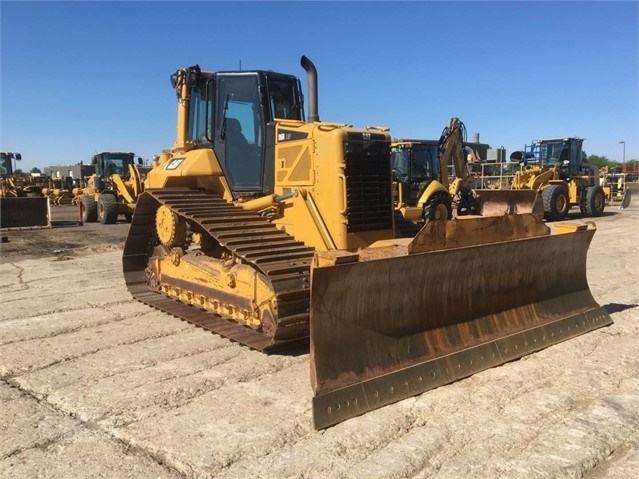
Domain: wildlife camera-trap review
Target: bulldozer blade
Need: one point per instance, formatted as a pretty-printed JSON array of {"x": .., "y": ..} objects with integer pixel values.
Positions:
[
  {"x": 510, "y": 202},
  {"x": 474, "y": 231},
  {"x": 25, "y": 213},
  {"x": 386, "y": 329}
]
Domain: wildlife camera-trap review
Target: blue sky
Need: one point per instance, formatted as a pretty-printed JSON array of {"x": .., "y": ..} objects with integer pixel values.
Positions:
[{"x": 82, "y": 77}]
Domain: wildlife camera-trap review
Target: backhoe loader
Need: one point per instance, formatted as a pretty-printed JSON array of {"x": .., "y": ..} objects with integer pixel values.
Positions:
[
  {"x": 22, "y": 203},
  {"x": 112, "y": 190},
  {"x": 422, "y": 191},
  {"x": 273, "y": 229}
]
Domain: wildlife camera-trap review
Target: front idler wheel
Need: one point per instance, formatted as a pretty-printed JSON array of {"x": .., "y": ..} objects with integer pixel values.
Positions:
[{"x": 171, "y": 228}]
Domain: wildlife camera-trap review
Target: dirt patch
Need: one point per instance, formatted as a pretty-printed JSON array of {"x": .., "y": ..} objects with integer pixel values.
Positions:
[{"x": 65, "y": 239}]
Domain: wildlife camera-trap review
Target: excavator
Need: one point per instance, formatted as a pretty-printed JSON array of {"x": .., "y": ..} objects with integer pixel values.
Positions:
[{"x": 274, "y": 229}]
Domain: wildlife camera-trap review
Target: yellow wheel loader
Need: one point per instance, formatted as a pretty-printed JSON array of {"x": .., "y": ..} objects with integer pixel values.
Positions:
[
  {"x": 112, "y": 190},
  {"x": 22, "y": 202},
  {"x": 562, "y": 177},
  {"x": 271, "y": 229}
]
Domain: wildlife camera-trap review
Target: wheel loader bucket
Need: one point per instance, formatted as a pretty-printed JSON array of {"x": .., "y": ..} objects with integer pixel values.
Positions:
[
  {"x": 25, "y": 213},
  {"x": 510, "y": 202},
  {"x": 388, "y": 325}
]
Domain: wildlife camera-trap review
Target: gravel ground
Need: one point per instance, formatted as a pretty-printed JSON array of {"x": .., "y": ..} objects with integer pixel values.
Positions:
[{"x": 94, "y": 384}]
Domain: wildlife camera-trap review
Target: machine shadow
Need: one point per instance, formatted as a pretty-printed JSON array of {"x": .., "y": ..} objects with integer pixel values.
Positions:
[{"x": 617, "y": 307}]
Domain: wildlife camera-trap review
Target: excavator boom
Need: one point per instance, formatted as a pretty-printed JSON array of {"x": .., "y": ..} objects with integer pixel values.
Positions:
[{"x": 451, "y": 146}]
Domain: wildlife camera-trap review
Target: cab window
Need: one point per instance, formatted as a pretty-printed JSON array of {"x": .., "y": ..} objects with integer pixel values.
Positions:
[
  {"x": 239, "y": 132},
  {"x": 199, "y": 107},
  {"x": 283, "y": 99}
]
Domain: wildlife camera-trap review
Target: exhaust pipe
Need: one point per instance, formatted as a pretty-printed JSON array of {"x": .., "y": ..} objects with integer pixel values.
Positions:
[{"x": 311, "y": 73}]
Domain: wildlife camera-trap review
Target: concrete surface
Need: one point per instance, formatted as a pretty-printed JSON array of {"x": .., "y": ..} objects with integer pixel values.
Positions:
[{"x": 93, "y": 384}]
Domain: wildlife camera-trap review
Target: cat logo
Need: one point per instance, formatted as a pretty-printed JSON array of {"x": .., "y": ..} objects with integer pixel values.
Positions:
[{"x": 173, "y": 164}]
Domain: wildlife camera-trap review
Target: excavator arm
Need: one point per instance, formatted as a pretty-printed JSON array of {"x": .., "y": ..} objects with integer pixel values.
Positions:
[{"x": 451, "y": 146}]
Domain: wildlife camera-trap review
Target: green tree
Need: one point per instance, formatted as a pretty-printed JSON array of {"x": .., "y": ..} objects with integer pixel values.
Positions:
[
  {"x": 35, "y": 169},
  {"x": 18, "y": 172},
  {"x": 599, "y": 161}
]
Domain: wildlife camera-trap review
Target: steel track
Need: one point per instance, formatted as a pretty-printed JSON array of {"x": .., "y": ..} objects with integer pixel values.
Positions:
[{"x": 246, "y": 235}]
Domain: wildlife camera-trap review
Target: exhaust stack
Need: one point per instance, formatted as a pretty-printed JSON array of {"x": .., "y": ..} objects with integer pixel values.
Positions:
[{"x": 311, "y": 73}]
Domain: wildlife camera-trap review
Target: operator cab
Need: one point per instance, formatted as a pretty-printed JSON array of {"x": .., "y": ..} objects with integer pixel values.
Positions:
[
  {"x": 6, "y": 168},
  {"x": 414, "y": 165},
  {"x": 563, "y": 153},
  {"x": 107, "y": 164},
  {"x": 234, "y": 113}
]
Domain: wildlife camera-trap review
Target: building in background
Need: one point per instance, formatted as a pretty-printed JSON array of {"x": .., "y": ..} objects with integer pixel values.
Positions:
[{"x": 77, "y": 172}]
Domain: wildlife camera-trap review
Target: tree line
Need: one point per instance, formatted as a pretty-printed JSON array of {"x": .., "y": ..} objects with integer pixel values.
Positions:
[{"x": 613, "y": 166}]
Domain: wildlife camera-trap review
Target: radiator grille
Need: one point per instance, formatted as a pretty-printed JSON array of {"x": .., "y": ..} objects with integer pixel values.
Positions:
[{"x": 368, "y": 185}]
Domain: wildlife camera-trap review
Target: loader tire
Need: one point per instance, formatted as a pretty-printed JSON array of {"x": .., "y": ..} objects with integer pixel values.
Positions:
[
  {"x": 89, "y": 209},
  {"x": 556, "y": 204},
  {"x": 439, "y": 207},
  {"x": 108, "y": 209},
  {"x": 595, "y": 201}
]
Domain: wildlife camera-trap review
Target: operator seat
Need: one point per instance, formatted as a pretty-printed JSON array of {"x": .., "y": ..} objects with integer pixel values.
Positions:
[
  {"x": 234, "y": 134},
  {"x": 241, "y": 159},
  {"x": 564, "y": 164},
  {"x": 110, "y": 169}
]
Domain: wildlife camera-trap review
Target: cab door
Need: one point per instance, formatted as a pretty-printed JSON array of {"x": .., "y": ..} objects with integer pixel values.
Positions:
[{"x": 239, "y": 131}]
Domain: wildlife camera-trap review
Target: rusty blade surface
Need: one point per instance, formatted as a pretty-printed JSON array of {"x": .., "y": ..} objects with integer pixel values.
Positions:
[
  {"x": 387, "y": 329},
  {"x": 476, "y": 231},
  {"x": 25, "y": 213}
]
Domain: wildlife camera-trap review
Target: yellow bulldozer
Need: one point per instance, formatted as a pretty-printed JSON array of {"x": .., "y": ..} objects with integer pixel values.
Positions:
[
  {"x": 274, "y": 229},
  {"x": 112, "y": 190},
  {"x": 564, "y": 180},
  {"x": 22, "y": 202}
]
